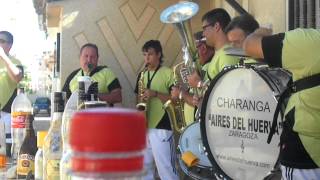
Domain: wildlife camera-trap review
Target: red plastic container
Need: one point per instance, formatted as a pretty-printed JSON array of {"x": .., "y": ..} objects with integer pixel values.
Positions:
[{"x": 107, "y": 140}]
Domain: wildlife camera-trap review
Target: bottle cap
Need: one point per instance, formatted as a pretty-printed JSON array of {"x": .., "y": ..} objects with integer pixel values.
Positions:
[
  {"x": 93, "y": 90},
  {"x": 81, "y": 86},
  {"x": 20, "y": 90},
  {"x": 86, "y": 80},
  {"x": 58, "y": 99},
  {"x": 87, "y": 165},
  {"x": 108, "y": 132}
]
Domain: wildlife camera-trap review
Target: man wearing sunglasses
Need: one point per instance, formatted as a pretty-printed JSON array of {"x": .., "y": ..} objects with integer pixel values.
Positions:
[
  {"x": 11, "y": 73},
  {"x": 214, "y": 23}
]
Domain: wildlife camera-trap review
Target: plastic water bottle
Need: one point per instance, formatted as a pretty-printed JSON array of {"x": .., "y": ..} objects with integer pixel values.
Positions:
[
  {"x": 52, "y": 147},
  {"x": 110, "y": 146},
  {"x": 21, "y": 109},
  {"x": 70, "y": 109},
  {"x": 76, "y": 102},
  {"x": 38, "y": 167}
]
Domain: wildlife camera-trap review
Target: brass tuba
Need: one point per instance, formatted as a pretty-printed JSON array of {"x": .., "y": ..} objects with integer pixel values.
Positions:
[
  {"x": 180, "y": 14},
  {"x": 142, "y": 103}
]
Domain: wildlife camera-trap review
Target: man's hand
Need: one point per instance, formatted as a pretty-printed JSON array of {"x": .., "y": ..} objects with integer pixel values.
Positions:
[
  {"x": 175, "y": 91},
  {"x": 252, "y": 45},
  {"x": 2, "y": 54},
  {"x": 196, "y": 100},
  {"x": 148, "y": 93},
  {"x": 262, "y": 31},
  {"x": 194, "y": 79},
  {"x": 13, "y": 71}
]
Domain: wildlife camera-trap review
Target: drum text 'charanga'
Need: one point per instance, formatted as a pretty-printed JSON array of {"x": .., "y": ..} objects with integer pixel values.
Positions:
[{"x": 243, "y": 104}]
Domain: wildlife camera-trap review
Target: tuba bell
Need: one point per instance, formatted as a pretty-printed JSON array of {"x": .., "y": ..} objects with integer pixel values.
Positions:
[{"x": 179, "y": 15}]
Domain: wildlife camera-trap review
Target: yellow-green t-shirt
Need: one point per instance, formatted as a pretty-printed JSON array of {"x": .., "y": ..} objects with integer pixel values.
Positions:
[
  {"x": 161, "y": 82},
  {"x": 7, "y": 85},
  {"x": 219, "y": 61},
  {"x": 104, "y": 78},
  {"x": 304, "y": 61},
  {"x": 301, "y": 56}
]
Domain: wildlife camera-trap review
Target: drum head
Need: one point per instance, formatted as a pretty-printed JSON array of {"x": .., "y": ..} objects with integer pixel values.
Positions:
[
  {"x": 236, "y": 118},
  {"x": 190, "y": 140}
]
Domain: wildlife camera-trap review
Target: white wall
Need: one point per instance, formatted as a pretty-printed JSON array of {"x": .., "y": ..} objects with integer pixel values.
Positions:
[{"x": 119, "y": 28}]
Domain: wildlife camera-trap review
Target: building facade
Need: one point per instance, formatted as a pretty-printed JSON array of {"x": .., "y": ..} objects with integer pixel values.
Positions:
[{"x": 121, "y": 27}]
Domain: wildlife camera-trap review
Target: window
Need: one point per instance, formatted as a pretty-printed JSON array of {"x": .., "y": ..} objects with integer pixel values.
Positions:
[{"x": 304, "y": 14}]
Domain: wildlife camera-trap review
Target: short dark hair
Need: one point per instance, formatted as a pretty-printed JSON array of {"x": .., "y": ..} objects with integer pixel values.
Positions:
[
  {"x": 90, "y": 45},
  {"x": 156, "y": 45},
  {"x": 217, "y": 15},
  {"x": 245, "y": 22},
  {"x": 198, "y": 36},
  {"x": 8, "y": 35}
]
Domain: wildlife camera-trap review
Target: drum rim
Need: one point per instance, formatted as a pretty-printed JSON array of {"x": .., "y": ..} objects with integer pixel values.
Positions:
[
  {"x": 205, "y": 142},
  {"x": 180, "y": 148},
  {"x": 186, "y": 171}
]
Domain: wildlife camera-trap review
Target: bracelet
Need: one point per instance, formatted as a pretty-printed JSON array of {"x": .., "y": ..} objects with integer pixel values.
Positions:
[
  {"x": 180, "y": 95},
  {"x": 199, "y": 85}
]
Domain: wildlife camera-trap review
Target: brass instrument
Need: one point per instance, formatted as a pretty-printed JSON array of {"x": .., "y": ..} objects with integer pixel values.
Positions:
[
  {"x": 180, "y": 14},
  {"x": 142, "y": 103},
  {"x": 175, "y": 108}
]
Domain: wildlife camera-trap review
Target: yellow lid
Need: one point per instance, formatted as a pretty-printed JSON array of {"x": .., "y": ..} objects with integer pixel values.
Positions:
[
  {"x": 189, "y": 159},
  {"x": 40, "y": 138}
]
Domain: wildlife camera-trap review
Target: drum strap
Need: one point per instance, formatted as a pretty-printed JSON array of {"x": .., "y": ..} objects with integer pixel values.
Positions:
[
  {"x": 283, "y": 96},
  {"x": 306, "y": 83},
  {"x": 293, "y": 87}
]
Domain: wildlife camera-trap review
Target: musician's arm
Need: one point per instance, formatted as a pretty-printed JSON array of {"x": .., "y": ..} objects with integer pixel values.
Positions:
[
  {"x": 163, "y": 97},
  {"x": 15, "y": 73},
  {"x": 113, "y": 97},
  {"x": 268, "y": 47},
  {"x": 253, "y": 43}
]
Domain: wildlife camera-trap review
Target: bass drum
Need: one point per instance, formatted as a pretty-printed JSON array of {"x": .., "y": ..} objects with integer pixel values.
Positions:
[
  {"x": 236, "y": 118},
  {"x": 190, "y": 140}
]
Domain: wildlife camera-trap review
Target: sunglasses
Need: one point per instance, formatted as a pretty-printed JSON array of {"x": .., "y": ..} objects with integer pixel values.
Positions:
[{"x": 207, "y": 25}]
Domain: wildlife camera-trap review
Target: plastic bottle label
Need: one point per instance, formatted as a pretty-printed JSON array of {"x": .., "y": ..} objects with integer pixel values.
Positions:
[
  {"x": 55, "y": 143},
  {"x": 25, "y": 164},
  {"x": 53, "y": 169},
  {"x": 19, "y": 119}
]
